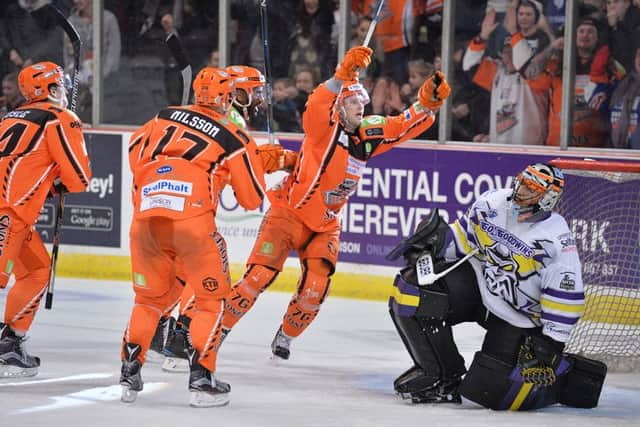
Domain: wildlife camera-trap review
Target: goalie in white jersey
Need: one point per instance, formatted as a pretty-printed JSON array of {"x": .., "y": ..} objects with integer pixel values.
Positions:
[{"x": 522, "y": 283}]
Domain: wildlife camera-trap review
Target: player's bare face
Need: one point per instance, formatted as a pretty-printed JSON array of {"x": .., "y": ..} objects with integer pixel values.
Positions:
[
  {"x": 354, "y": 111},
  {"x": 58, "y": 95}
]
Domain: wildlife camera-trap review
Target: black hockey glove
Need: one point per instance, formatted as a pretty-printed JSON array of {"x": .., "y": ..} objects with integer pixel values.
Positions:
[
  {"x": 538, "y": 359},
  {"x": 57, "y": 188}
]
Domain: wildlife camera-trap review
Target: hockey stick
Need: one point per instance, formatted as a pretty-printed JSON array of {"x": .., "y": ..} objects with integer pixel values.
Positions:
[
  {"x": 267, "y": 67},
  {"x": 71, "y": 32},
  {"x": 425, "y": 270},
  {"x": 173, "y": 42},
  {"x": 373, "y": 24}
]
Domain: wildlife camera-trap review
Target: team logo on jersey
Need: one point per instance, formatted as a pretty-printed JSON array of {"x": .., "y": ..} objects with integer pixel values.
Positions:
[
  {"x": 210, "y": 284},
  {"x": 139, "y": 280},
  {"x": 500, "y": 235},
  {"x": 373, "y": 120},
  {"x": 266, "y": 248},
  {"x": 5, "y": 223},
  {"x": 492, "y": 213},
  {"x": 164, "y": 169},
  {"x": 374, "y": 132}
]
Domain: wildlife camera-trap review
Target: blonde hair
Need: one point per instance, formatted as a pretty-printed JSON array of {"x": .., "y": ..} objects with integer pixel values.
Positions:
[{"x": 425, "y": 69}]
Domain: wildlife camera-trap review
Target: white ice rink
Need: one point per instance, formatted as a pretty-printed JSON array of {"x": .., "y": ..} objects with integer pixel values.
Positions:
[{"x": 340, "y": 373}]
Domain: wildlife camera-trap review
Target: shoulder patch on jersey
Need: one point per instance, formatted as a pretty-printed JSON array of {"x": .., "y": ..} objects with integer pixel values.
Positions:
[
  {"x": 374, "y": 131},
  {"x": 373, "y": 121},
  {"x": 418, "y": 107},
  {"x": 568, "y": 282}
]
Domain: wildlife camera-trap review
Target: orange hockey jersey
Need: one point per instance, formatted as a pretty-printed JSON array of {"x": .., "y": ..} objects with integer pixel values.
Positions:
[
  {"x": 331, "y": 161},
  {"x": 174, "y": 158},
  {"x": 40, "y": 142}
]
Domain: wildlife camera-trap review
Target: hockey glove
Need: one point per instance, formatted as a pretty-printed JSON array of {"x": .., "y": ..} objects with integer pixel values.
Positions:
[
  {"x": 539, "y": 358},
  {"x": 434, "y": 91},
  {"x": 57, "y": 188},
  {"x": 275, "y": 158},
  {"x": 355, "y": 58}
]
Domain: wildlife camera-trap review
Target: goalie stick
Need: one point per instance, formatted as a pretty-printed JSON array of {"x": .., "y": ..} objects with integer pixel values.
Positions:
[
  {"x": 76, "y": 44},
  {"x": 426, "y": 273},
  {"x": 175, "y": 46}
]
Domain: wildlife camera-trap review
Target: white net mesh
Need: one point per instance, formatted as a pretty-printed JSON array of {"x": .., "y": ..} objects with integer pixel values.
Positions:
[{"x": 603, "y": 211}]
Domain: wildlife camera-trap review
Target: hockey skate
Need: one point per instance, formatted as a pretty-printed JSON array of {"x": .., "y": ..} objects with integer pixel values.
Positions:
[
  {"x": 442, "y": 391},
  {"x": 14, "y": 359},
  {"x": 155, "y": 354},
  {"x": 280, "y": 345},
  {"x": 130, "y": 375},
  {"x": 413, "y": 380},
  {"x": 175, "y": 350},
  {"x": 205, "y": 390}
]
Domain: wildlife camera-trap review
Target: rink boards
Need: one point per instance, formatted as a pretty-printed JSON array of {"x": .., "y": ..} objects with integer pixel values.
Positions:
[{"x": 395, "y": 192}]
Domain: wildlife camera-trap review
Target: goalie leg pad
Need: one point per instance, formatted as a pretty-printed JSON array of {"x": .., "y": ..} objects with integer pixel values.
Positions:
[
  {"x": 487, "y": 382},
  {"x": 419, "y": 315},
  {"x": 583, "y": 383}
]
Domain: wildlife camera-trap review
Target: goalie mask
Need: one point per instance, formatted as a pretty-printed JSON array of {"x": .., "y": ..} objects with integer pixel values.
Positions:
[
  {"x": 215, "y": 88},
  {"x": 536, "y": 191},
  {"x": 44, "y": 81},
  {"x": 250, "y": 86},
  {"x": 352, "y": 99}
]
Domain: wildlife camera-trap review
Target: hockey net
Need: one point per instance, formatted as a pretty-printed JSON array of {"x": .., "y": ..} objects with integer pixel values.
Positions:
[{"x": 601, "y": 204}]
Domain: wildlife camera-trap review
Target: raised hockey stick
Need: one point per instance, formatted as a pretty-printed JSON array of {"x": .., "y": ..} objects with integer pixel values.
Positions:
[
  {"x": 71, "y": 32},
  {"x": 373, "y": 24},
  {"x": 175, "y": 46},
  {"x": 267, "y": 67}
]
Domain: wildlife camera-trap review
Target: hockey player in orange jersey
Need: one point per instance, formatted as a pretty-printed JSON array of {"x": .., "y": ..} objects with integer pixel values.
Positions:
[
  {"x": 174, "y": 158},
  {"x": 248, "y": 97},
  {"x": 305, "y": 210},
  {"x": 41, "y": 143}
]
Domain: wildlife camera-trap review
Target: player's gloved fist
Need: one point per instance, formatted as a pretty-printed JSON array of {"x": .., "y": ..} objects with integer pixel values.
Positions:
[
  {"x": 538, "y": 359},
  {"x": 290, "y": 159},
  {"x": 434, "y": 91},
  {"x": 356, "y": 58},
  {"x": 272, "y": 156}
]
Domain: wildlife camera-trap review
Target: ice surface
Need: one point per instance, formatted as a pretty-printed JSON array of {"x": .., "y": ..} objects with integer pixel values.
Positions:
[{"x": 340, "y": 373}]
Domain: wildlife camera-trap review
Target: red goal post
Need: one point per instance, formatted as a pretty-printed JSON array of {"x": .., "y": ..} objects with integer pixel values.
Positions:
[{"x": 601, "y": 204}]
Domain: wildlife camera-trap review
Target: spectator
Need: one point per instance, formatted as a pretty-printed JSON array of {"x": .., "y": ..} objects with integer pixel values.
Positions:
[
  {"x": 393, "y": 31},
  {"x": 305, "y": 83},
  {"x": 82, "y": 19},
  {"x": 625, "y": 108},
  {"x": 519, "y": 107},
  {"x": 368, "y": 75},
  {"x": 386, "y": 99},
  {"x": 523, "y": 20},
  {"x": 30, "y": 38},
  {"x": 11, "y": 97},
  {"x": 624, "y": 22},
  {"x": 311, "y": 47},
  {"x": 285, "y": 114},
  {"x": 214, "y": 59},
  {"x": 590, "y": 123}
]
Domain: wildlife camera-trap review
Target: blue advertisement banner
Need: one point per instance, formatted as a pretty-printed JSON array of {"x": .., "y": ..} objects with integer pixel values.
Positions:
[{"x": 91, "y": 218}]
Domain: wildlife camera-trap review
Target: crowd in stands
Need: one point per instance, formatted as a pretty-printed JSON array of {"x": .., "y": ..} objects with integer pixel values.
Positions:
[{"x": 507, "y": 60}]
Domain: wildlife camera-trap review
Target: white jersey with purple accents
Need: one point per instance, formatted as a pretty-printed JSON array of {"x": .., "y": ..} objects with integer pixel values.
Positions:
[{"x": 529, "y": 274}]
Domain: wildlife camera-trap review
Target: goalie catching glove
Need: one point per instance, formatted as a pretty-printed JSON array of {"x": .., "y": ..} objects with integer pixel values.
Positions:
[
  {"x": 539, "y": 360},
  {"x": 434, "y": 91},
  {"x": 356, "y": 58},
  {"x": 274, "y": 158}
]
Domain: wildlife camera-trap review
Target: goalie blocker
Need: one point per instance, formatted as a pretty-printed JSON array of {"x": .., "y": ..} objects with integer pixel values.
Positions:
[{"x": 508, "y": 373}]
